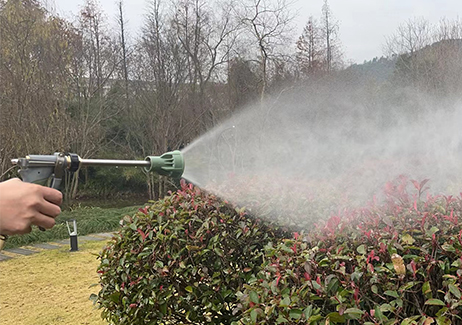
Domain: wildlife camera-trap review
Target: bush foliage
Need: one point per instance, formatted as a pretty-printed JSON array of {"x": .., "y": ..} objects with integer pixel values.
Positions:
[
  {"x": 193, "y": 259},
  {"x": 392, "y": 263},
  {"x": 181, "y": 260}
]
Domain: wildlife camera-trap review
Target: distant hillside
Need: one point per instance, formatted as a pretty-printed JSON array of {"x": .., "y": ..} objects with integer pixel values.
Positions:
[
  {"x": 378, "y": 69},
  {"x": 436, "y": 68}
]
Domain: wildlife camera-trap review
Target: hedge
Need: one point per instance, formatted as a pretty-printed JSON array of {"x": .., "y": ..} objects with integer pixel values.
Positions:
[
  {"x": 181, "y": 260},
  {"x": 194, "y": 259}
]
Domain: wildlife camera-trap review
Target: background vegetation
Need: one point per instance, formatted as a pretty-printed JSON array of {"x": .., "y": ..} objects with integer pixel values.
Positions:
[{"x": 80, "y": 87}]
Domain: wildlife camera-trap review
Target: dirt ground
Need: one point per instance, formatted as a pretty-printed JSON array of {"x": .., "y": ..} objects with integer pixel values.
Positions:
[{"x": 51, "y": 287}]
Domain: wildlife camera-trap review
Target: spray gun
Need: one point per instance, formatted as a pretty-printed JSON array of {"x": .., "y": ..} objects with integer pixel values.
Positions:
[{"x": 49, "y": 170}]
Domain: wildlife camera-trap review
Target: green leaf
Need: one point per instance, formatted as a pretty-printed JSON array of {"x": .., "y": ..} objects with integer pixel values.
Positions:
[
  {"x": 333, "y": 286},
  {"x": 426, "y": 290},
  {"x": 443, "y": 320},
  {"x": 94, "y": 297},
  {"x": 356, "y": 276},
  {"x": 391, "y": 293},
  {"x": 454, "y": 290},
  {"x": 115, "y": 297},
  {"x": 408, "y": 321},
  {"x": 457, "y": 263},
  {"x": 287, "y": 249},
  {"x": 361, "y": 250},
  {"x": 448, "y": 248},
  {"x": 385, "y": 308},
  {"x": 253, "y": 316},
  {"x": 308, "y": 311},
  {"x": 434, "y": 302},
  {"x": 189, "y": 289},
  {"x": 295, "y": 313},
  {"x": 285, "y": 302},
  {"x": 254, "y": 297},
  {"x": 378, "y": 314},
  {"x": 313, "y": 319},
  {"x": 408, "y": 285},
  {"x": 163, "y": 309},
  {"x": 374, "y": 289},
  {"x": 316, "y": 285},
  {"x": 354, "y": 311},
  {"x": 324, "y": 262},
  {"x": 442, "y": 311},
  {"x": 407, "y": 239},
  {"x": 281, "y": 320},
  {"x": 218, "y": 251},
  {"x": 336, "y": 317}
]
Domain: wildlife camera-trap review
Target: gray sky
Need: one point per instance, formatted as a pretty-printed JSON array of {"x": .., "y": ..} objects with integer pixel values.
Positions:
[{"x": 364, "y": 24}]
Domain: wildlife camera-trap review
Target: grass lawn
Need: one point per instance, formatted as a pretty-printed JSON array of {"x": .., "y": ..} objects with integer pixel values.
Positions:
[{"x": 51, "y": 287}]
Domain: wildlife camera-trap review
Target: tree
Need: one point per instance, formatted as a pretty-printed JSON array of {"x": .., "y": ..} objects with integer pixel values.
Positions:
[
  {"x": 242, "y": 83},
  {"x": 35, "y": 54},
  {"x": 428, "y": 57},
  {"x": 410, "y": 37},
  {"x": 94, "y": 64},
  {"x": 207, "y": 37},
  {"x": 332, "y": 48},
  {"x": 156, "y": 120},
  {"x": 124, "y": 52},
  {"x": 309, "y": 49},
  {"x": 448, "y": 29},
  {"x": 268, "y": 23}
]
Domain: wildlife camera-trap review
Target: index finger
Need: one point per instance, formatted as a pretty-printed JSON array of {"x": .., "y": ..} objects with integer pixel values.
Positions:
[{"x": 52, "y": 195}]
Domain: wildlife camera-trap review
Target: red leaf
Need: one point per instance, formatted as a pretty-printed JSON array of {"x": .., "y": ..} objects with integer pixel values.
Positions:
[
  {"x": 277, "y": 280},
  {"x": 144, "y": 210},
  {"x": 414, "y": 267},
  {"x": 371, "y": 267},
  {"x": 294, "y": 248},
  {"x": 141, "y": 232}
]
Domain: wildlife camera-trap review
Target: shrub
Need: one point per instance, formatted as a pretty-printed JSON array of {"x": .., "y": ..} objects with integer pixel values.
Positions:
[
  {"x": 181, "y": 260},
  {"x": 192, "y": 258},
  {"x": 393, "y": 263}
]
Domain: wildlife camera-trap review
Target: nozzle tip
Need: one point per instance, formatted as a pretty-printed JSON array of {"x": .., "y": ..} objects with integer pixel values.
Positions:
[{"x": 14, "y": 161}]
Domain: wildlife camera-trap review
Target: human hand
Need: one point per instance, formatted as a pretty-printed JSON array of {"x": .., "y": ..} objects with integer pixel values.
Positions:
[{"x": 25, "y": 204}]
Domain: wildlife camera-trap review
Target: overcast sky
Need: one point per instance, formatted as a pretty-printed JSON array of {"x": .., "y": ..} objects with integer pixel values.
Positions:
[{"x": 364, "y": 24}]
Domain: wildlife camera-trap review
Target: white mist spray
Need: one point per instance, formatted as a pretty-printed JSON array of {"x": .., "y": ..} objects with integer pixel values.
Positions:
[{"x": 330, "y": 145}]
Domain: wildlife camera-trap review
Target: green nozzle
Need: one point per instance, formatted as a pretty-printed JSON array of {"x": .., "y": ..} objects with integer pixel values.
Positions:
[{"x": 169, "y": 164}]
